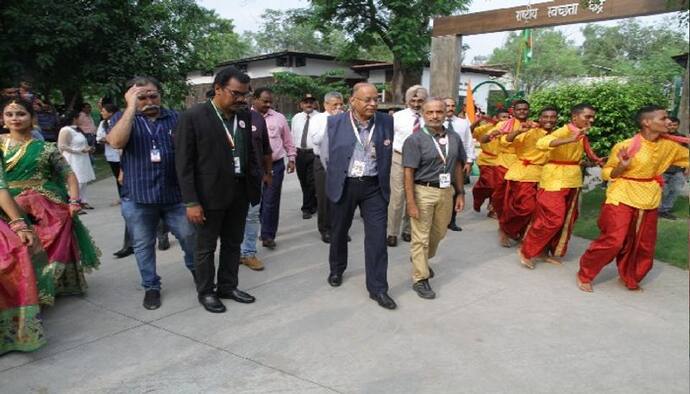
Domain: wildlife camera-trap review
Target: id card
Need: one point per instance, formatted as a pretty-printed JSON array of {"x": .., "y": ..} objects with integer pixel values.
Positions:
[
  {"x": 357, "y": 169},
  {"x": 155, "y": 155},
  {"x": 444, "y": 180},
  {"x": 238, "y": 169},
  {"x": 373, "y": 152}
]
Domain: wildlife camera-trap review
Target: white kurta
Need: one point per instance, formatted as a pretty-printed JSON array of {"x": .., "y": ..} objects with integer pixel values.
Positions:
[{"x": 72, "y": 144}]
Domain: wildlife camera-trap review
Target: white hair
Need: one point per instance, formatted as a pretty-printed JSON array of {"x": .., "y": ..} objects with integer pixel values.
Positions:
[{"x": 332, "y": 95}]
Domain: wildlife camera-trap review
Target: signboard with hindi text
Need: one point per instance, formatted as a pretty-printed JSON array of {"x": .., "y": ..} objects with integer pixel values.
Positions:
[{"x": 552, "y": 13}]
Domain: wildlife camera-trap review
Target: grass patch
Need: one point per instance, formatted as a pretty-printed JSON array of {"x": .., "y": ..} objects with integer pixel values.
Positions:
[{"x": 672, "y": 235}]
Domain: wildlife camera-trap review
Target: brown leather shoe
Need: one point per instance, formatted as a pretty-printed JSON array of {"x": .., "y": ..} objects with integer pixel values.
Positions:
[{"x": 252, "y": 263}]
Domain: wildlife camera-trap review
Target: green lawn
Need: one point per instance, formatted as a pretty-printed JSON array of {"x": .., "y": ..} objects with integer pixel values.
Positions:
[
  {"x": 101, "y": 167},
  {"x": 672, "y": 238}
]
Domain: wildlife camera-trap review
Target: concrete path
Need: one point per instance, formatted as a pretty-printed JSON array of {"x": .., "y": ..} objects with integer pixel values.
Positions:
[{"x": 495, "y": 327}]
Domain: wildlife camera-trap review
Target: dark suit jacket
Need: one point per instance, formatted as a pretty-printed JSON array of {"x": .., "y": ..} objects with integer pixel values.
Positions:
[
  {"x": 341, "y": 145},
  {"x": 204, "y": 162}
]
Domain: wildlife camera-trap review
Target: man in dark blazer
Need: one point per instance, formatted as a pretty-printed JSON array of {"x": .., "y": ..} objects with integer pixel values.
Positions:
[
  {"x": 358, "y": 163},
  {"x": 219, "y": 176}
]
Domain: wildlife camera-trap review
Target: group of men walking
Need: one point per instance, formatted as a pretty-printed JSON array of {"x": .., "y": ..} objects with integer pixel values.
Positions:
[{"x": 216, "y": 172}]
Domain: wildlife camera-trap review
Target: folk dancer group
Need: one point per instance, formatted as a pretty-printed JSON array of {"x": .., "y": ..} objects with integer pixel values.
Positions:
[{"x": 224, "y": 156}]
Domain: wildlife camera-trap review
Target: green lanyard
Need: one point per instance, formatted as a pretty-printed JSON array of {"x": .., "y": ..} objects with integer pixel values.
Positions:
[{"x": 231, "y": 138}]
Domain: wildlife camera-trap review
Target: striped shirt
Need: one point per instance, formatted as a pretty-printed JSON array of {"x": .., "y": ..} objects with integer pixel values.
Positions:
[{"x": 146, "y": 182}]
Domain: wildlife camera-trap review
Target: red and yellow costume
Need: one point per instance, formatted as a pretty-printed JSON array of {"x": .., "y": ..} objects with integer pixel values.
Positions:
[
  {"x": 557, "y": 197},
  {"x": 628, "y": 217},
  {"x": 520, "y": 198},
  {"x": 506, "y": 158},
  {"x": 487, "y": 162}
]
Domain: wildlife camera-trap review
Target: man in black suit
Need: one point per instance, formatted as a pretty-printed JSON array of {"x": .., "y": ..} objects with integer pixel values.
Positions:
[
  {"x": 219, "y": 176},
  {"x": 358, "y": 149}
]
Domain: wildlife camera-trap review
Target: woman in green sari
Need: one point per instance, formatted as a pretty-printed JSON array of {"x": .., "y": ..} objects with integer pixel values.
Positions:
[{"x": 36, "y": 174}]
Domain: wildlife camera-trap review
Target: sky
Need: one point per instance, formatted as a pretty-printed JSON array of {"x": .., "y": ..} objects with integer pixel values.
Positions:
[{"x": 247, "y": 17}]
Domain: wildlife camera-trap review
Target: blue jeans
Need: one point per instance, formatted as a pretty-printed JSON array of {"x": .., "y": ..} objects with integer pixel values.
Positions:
[
  {"x": 251, "y": 231},
  {"x": 673, "y": 185},
  {"x": 142, "y": 221}
]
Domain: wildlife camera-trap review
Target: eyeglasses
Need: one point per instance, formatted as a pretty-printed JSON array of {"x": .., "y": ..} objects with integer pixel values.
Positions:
[
  {"x": 367, "y": 100},
  {"x": 236, "y": 94},
  {"x": 150, "y": 96}
]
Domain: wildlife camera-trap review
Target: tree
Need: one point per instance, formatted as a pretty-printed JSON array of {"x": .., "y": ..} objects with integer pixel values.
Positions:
[
  {"x": 403, "y": 26},
  {"x": 634, "y": 50},
  {"x": 616, "y": 104},
  {"x": 291, "y": 31},
  {"x": 294, "y": 85},
  {"x": 96, "y": 45},
  {"x": 553, "y": 57}
]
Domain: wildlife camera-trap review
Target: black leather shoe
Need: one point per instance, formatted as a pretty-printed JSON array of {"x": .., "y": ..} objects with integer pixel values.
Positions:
[
  {"x": 124, "y": 252},
  {"x": 269, "y": 243},
  {"x": 383, "y": 300},
  {"x": 211, "y": 303},
  {"x": 392, "y": 240},
  {"x": 348, "y": 238},
  {"x": 152, "y": 299},
  {"x": 454, "y": 227},
  {"x": 406, "y": 237},
  {"x": 163, "y": 243},
  {"x": 237, "y": 295},
  {"x": 335, "y": 280},
  {"x": 325, "y": 237},
  {"x": 424, "y": 290},
  {"x": 306, "y": 215}
]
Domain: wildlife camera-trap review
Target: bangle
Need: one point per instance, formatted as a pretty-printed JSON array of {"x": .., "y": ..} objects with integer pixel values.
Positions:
[
  {"x": 18, "y": 220},
  {"x": 75, "y": 201},
  {"x": 20, "y": 226},
  {"x": 460, "y": 192}
]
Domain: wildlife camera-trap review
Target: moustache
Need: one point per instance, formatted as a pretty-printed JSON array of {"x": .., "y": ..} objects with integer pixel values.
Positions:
[{"x": 151, "y": 107}]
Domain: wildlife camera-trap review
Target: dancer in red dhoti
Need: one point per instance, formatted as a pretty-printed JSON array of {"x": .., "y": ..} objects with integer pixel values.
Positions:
[
  {"x": 487, "y": 162},
  {"x": 522, "y": 177},
  {"x": 559, "y": 188},
  {"x": 628, "y": 217},
  {"x": 506, "y": 153}
]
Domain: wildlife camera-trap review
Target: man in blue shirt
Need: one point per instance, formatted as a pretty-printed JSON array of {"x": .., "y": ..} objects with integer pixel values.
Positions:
[{"x": 150, "y": 192}]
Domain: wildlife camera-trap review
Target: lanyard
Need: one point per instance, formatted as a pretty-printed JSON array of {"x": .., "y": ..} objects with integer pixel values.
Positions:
[
  {"x": 234, "y": 126},
  {"x": 153, "y": 136},
  {"x": 356, "y": 131},
  {"x": 438, "y": 147}
]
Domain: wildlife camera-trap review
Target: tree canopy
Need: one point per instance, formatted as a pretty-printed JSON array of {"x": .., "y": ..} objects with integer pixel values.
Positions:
[{"x": 73, "y": 45}]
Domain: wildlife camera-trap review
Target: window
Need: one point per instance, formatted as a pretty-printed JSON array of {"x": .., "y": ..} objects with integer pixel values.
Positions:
[
  {"x": 300, "y": 61},
  {"x": 242, "y": 67},
  {"x": 283, "y": 61}
]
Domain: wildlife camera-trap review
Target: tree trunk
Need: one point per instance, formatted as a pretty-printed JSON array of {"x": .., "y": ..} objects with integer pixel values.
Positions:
[
  {"x": 683, "y": 114},
  {"x": 73, "y": 98},
  {"x": 403, "y": 78}
]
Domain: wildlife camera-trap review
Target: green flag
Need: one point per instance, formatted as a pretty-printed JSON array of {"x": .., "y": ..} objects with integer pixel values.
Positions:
[{"x": 526, "y": 46}]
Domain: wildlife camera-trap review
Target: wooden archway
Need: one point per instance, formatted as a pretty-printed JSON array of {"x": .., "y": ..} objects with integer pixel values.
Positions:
[{"x": 446, "y": 41}]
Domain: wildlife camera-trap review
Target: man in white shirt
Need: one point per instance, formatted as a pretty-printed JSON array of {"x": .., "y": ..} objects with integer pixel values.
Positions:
[
  {"x": 462, "y": 128},
  {"x": 301, "y": 124},
  {"x": 405, "y": 123},
  {"x": 333, "y": 105}
]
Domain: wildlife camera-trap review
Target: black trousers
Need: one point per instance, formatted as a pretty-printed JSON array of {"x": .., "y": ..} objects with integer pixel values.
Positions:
[
  {"x": 305, "y": 173},
  {"x": 323, "y": 220},
  {"x": 228, "y": 225},
  {"x": 364, "y": 193}
]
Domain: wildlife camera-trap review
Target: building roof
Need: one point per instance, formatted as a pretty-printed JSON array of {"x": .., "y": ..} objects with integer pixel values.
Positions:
[
  {"x": 681, "y": 59},
  {"x": 473, "y": 68},
  {"x": 292, "y": 53}
]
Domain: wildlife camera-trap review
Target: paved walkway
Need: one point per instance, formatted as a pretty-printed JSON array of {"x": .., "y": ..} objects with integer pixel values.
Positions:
[{"x": 494, "y": 328}]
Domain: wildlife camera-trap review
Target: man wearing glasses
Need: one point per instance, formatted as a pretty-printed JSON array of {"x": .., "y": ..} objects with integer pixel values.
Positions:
[
  {"x": 150, "y": 191},
  {"x": 357, "y": 151},
  {"x": 220, "y": 175}
]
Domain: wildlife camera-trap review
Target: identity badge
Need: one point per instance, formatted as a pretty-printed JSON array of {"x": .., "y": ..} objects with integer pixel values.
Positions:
[
  {"x": 155, "y": 155},
  {"x": 444, "y": 180},
  {"x": 238, "y": 170},
  {"x": 357, "y": 169}
]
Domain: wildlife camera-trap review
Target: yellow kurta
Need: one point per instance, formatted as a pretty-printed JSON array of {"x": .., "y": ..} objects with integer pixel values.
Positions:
[
  {"x": 527, "y": 167},
  {"x": 506, "y": 153},
  {"x": 651, "y": 161},
  {"x": 555, "y": 177},
  {"x": 489, "y": 154}
]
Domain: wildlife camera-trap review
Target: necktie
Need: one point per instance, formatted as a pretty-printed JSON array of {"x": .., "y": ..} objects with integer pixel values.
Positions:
[
  {"x": 416, "y": 125},
  {"x": 305, "y": 131},
  {"x": 450, "y": 125}
]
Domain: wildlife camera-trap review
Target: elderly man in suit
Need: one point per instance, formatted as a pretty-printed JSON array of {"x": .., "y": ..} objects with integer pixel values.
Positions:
[
  {"x": 358, "y": 150},
  {"x": 219, "y": 176}
]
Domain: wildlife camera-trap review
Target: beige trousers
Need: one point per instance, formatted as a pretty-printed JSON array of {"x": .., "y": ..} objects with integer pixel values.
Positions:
[
  {"x": 434, "y": 207},
  {"x": 396, "y": 206}
]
